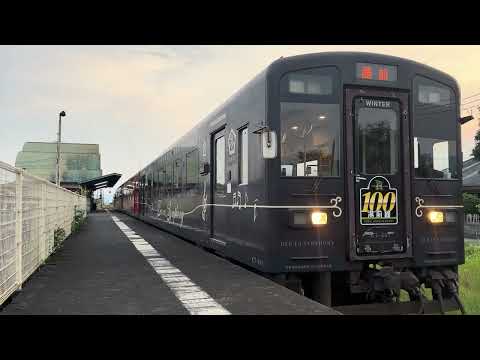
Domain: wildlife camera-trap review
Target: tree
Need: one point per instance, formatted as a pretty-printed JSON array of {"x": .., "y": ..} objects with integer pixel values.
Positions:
[
  {"x": 476, "y": 149},
  {"x": 471, "y": 203}
]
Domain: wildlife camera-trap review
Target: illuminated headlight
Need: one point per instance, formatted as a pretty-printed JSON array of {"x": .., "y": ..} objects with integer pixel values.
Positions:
[
  {"x": 319, "y": 218},
  {"x": 435, "y": 217}
]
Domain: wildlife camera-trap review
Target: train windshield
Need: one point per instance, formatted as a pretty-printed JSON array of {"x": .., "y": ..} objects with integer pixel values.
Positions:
[
  {"x": 310, "y": 123},
  {"x": 310, "y": 139},
  {"x": 435, "y": 130}
]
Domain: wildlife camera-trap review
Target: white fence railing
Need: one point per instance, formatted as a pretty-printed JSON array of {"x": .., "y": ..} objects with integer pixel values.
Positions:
[
  {"x": 31, "y": 210},
  {"x": 472, "y": 218}
]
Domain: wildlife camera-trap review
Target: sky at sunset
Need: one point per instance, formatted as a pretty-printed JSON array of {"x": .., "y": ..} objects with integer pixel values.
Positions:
[{"x": 136, "y": 100}]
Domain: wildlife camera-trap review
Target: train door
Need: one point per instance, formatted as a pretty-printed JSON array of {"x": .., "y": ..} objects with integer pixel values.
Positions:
[
  {"x": 218, "y": 188},
  {"x": 378, "y": 162}
]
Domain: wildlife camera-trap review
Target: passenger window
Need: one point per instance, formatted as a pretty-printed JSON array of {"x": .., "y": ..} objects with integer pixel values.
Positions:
[
  {"x": 243, "y": 156},
  {"x": 169, "y": 172},
  {"x": 178, "y": 173},
  {"x": 220, "y": 163},
  {"x": 192, "y": 169}
]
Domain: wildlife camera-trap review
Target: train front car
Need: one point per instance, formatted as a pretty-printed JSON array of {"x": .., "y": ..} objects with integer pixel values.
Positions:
[{"x": 365, "y": 191}]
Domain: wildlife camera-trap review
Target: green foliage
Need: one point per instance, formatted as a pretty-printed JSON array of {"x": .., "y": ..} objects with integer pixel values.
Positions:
[
  {"x": 471, "y": 203},
  {"x": 78, "y": 220},
  {"x": 469, "y": 275},
  {"x": 472, "y": 253},
  {"x": 58, "y": 236},
  {"x": 476, "y": 149}
]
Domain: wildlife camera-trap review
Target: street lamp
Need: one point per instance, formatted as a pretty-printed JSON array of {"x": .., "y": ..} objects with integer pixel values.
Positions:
[{"x": 58, "y": 145}]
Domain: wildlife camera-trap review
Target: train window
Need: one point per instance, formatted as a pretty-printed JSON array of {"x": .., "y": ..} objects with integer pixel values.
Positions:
[
  {"x": 220, "y": 163},
  {"x": 193, "y": 173},
  {"x": 310, "y": 139},
  {"x": 428, "y": 94},
  {"x": 310, "y": 82},
  {"x": 377, "y": 141},
  {"x": 243, "y": 156},
  {"x": 168, "y": 172},
  {"x": 161, "y": 175},
  {"x": 435, "y": 158},
  {"x": 178, "y": 173},
  {"x": 435, "y": 130}
]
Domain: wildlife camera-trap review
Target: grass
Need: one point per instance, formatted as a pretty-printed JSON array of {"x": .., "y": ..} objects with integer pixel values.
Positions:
[{"x": 469, "y": 275}]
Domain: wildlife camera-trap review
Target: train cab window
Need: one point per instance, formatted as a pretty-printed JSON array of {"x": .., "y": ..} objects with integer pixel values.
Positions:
[
  {"x": 220, "y": 163},
  {"x": 377, "y": 140},
  {"x": 310, "y": 123},
  {"x": 310, "y": 139},
  {"x": 243, "y": 156},
  {"x": 435, "y": 130}
]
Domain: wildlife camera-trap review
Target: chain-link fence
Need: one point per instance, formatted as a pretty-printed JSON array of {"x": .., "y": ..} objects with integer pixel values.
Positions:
[{"x": 35, "y": 216}]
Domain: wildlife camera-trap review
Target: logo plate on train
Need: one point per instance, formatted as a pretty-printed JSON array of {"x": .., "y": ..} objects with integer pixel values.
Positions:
[
  {"x": 378, "y": 103},
  {"x": 378, "y": 203}
]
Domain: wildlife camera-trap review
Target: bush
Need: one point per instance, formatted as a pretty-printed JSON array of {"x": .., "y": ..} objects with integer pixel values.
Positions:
[
  {"x": 78, "y": 220},
  {"x": 471, "y": 203},
  {"x": 58, "y": 236}
]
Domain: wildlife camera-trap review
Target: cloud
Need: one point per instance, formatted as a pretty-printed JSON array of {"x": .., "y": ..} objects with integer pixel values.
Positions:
[{"x": 136, "y": 100}]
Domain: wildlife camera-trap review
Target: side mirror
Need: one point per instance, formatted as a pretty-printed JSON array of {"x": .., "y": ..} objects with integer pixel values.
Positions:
[
  {"x": 269, "y": 144},
  {"x": 465, "y": 119},
  {"x": 205, "y": 169}
]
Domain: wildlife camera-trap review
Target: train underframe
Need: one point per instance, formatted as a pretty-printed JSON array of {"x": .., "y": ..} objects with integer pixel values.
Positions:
[{"x": 377, "y": 288}]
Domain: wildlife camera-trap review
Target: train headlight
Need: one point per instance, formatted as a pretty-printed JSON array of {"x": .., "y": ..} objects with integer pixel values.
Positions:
[
  {"x": 319, "y": 218},
  {"x": 435, "y": 217}
]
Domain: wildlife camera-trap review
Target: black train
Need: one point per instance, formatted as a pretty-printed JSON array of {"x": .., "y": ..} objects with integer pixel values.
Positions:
[{"x": 336, "y": 174}]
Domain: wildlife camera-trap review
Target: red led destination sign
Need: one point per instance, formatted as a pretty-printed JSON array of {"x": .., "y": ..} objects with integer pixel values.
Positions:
[{"x": 376, "y": 72}]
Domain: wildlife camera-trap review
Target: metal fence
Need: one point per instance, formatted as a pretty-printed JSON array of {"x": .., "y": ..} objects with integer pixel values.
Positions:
[
  {"x": 31, "y": 210},
  {"x": 472, "y": 218}
]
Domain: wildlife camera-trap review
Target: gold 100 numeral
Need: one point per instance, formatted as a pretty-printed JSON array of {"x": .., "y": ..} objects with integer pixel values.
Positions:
[{"x": 385, "y": 202}]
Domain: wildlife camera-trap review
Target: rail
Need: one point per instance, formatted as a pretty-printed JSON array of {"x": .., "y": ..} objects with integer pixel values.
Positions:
[{"x": 35, "y": 217}]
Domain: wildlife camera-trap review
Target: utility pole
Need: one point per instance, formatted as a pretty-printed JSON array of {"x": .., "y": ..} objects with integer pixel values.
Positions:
[{"x": 59, "y": 139}]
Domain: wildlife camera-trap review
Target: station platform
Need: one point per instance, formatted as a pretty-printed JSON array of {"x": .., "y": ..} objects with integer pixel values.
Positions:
[{"x": 118, "y": 265}]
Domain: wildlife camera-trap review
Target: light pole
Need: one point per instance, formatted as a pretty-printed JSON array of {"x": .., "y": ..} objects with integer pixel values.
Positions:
[{"x": 59, "y": 139}]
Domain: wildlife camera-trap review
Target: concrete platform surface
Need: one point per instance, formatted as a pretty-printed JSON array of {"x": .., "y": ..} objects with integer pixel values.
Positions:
[{"x": 118, "y": 265}]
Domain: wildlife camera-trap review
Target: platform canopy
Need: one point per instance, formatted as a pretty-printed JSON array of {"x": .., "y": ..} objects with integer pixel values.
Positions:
[{"x": 101, "y": 182}]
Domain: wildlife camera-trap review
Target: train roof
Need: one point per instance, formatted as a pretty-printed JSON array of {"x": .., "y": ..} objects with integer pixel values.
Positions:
[{"x": 347, "y": 57}]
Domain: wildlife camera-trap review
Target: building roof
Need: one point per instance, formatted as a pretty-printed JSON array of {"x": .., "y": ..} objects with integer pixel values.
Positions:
[
  {"x": 471, "y": 175},
  {"x": 51, "y": 147}
]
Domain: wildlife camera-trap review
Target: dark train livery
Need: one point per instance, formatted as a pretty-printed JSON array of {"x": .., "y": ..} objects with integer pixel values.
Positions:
[{"x": 336, "y": 174}]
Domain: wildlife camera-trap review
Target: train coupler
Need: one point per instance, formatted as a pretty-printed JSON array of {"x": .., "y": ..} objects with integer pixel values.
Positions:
[
  {"x": 444, "y": 283},
  {"x": 386, "y": 283}
]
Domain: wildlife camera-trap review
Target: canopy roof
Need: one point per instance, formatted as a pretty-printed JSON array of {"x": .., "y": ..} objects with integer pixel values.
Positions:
[{"x": 101, "y": 182}]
